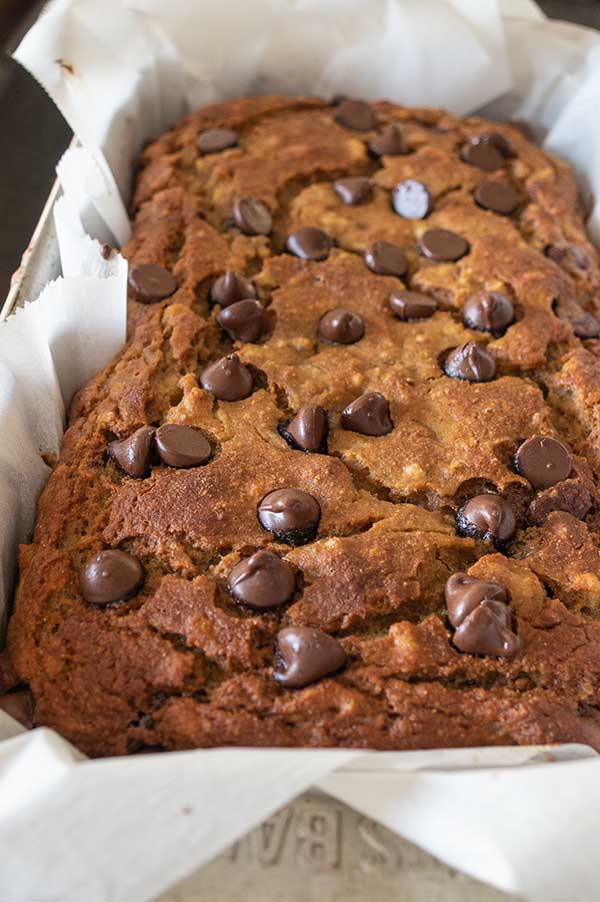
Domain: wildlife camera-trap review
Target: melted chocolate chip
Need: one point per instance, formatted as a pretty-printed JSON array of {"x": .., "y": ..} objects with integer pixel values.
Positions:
[
  {"x": 586, "y": 326},
  {"x": 230, "y": 288},
  {"x": 355, "y": 115},
  {"x": 227, "y": 379},
  {"x": 411, "y": 199},
  {"x": 309, "y": 243},
  {"x": 544, "y": 461},
  {"x": 132, "y": 454},
  {"x": 244, "y": 321},
  {"x": 291, "y": 515},
  {"x": 262, "y": 581},
  {"x": 388, "y": 143},
  {"x": 252, "y": 217},
  {"x": 411, "y": 305},
  {"x": 341, "y": 326},
  {"x": 443, "y": 245},
  {"x": 470, "y": 361},
  {"x": 150, "y": 282},
  {"x": 570, "y": 495},
  {"x": 308, "y": 430},
  {"x": 386, "y": 259},
  {"x": 489, "y": 518},
  {"x": 569, "y": 256},
  {"x": 306, "y": 654},
  {"x": 483, "y": 155},
  {"x": 181, "y": 446},
  {"x": 214, "y": 140},
  {"x": 368, "y": 415},
  {"x": 479, "y": 612},
  {"x": 499, "y": 197},
  {"x": 354, "y": 190},
  {"x": 497, "y": 140},
  {"x": 111, "y": 576},
  {"x": 488, "y": 311}
]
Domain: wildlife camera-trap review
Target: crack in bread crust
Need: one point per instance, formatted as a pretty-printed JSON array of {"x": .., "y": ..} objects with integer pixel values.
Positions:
[{"x": 182, "y": 665}]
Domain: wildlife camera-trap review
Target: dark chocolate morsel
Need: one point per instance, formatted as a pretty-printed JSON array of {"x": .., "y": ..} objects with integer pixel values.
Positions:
[
  {"x": 544, "y": 461},
  {"x": 110, "y": 576},
  {"x": 150, "y": 282},
  {"x": 571, "y": 496},
  {"x": 484, "y": 155},
  {"x": 308, "y": 430},
  {"x": 291, "y": 515},
  {"x": 132, "y": 454},
  {"x": 230, "y": 288},
  {"x": 369, "y": 414},
  {"x": 497, "y": 140},
  {"x": 386, "y": 259},
  {"x": 354, "y": 190},
  {"x": 252, "y": 217},
  {"x": 499, "y": 197},
  {"x": 214, "y": 140},
  {"x": 463, "y": 593},
  {"x": 586, "y": 326},
  {"x": 341, "y": 326},
  {"x": 388, "y": 143},
  {"x": 227, "y": 379},
  {"x": 309, "y": 243},
  {"x": 489, "y": 518},
  {"x": 244, "y": 321},
  {"x": 470, "y": 361},
  {"x": 487, "y": 631},
  {"x": 443, "y": 245},
  {"x": 411, "y": 305},
  {"x": 306, "y": 654},
  {"x": 488, "y": 311},
  {"x": 355, "y": 115},
  {"x": 181, "y": 446},
  {"x": 411, "y": 199},
  {"x": 262, "y": 581}
]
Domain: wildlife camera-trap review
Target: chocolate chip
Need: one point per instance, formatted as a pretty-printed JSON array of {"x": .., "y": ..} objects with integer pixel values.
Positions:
[
  {"x": 497, "y": 140},
  {"x": 107, "y": 252},
  {"x": 411, "y": 199},
  {"x": 291, "y": 515},
  {"x": 341, "y": 326},
  {"x": 181, "y": 446},
  {"x": 356, "y": 115},
  {"x": 308, "y": 430},
  {"x": 230, "y": 288},
  {"x": 111, "y": 576},
  {"x": 570, "y": 495},
  {"x": 132, "y": 454},
  {"x": 410, "y": 305},
  {"x": 228, "y": 379},
  {"x": 386, "y": 259},
  {"x": 252, "y": 217},
  {"x": 586, "y": 326},
  {"x": 244, "y": 321},
  {"x": 262, "y": 581},
  {"x": 309, "y": 243},
  {"x": 150, "y": 282},
  {"x": 489, "y": 518},
  {"x": 499, "y": 197},
  {"x": 306, "y": 654},
  {"x": 544, "y": 461},
  {"x": 215, "y": 139},
  {"x": 479, "y": 612},
  {"x": 470, "y": 361},
  {"x": 443, "y": 245},
  {"x": 368, "y": 415},
  {"x": 388, "y": 143},
  {"x": 354, "y": 190},
  {"x": 488, "y": 311},
  {"x": 20, "y": 707},
  {"x": 484, "y": 155}
]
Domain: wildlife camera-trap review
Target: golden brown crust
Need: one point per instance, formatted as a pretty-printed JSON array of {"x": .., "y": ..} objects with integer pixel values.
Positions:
[{"x": 182, "y": 665}]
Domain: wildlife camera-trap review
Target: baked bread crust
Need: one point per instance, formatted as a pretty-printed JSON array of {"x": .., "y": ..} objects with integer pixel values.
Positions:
[{"x": 181, "y": 664}]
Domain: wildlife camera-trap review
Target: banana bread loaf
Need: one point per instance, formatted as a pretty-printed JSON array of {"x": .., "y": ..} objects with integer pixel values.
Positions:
[{"x": 340, "y": 486}]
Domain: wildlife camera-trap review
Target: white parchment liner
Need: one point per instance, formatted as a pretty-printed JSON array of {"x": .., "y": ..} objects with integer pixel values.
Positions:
[{"x": 526, "y": 819}]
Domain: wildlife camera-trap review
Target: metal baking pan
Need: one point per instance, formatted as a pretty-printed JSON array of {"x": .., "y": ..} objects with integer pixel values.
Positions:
[{"x": 316, "y": 849}]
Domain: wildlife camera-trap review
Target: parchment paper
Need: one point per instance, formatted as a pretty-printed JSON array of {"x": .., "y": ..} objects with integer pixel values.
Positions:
[{"x": 525, "y": 820}]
